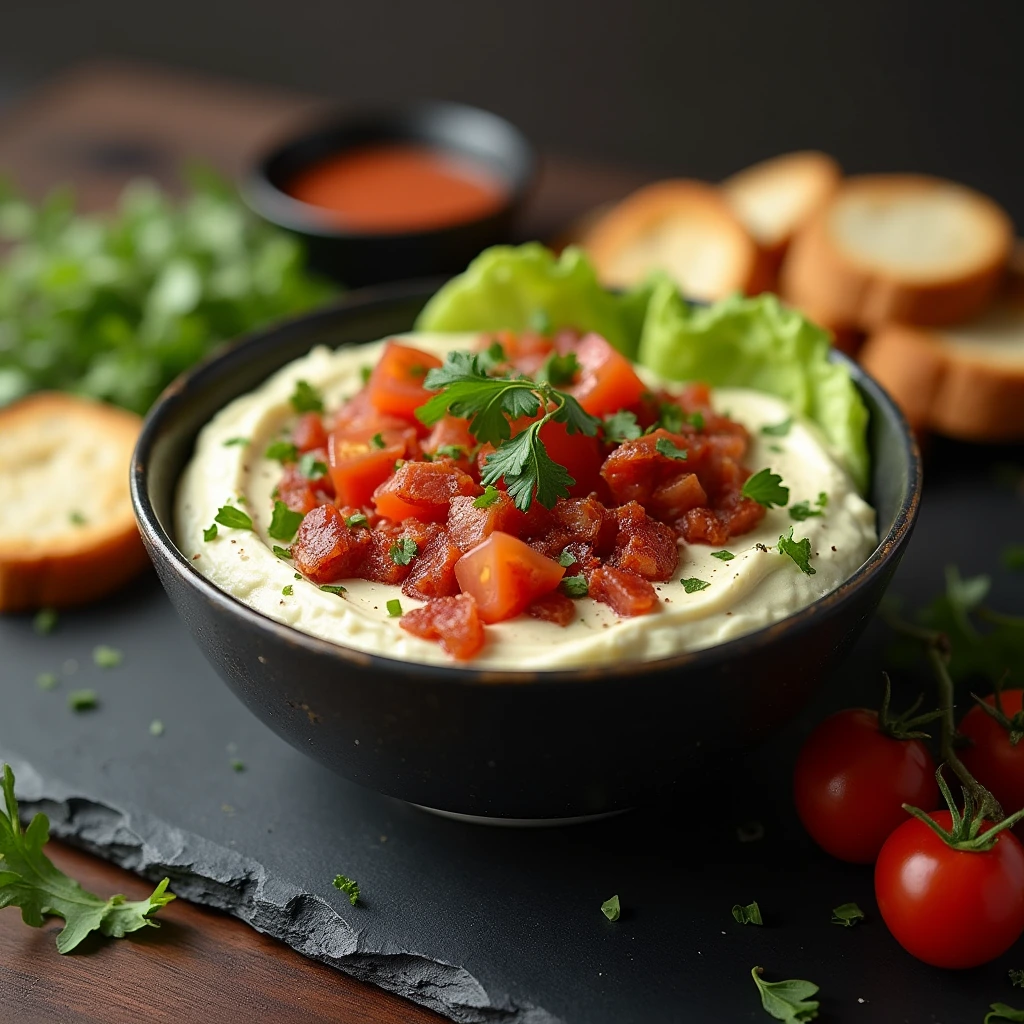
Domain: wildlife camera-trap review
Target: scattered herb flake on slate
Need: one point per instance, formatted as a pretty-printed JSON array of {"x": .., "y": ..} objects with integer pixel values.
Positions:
[
  {"x": 106, "y": 657},
  {"x": 237, "y": 765},
  {"x": 663, "y": 446},
  {"x": 46, "y": 680},
  {"x": 281, "y": 451},
  {"x": 45, "y": 621},
  {"x": 789, "y": 1001},
  {"x": 692, "y": 585},
  {"x": 306, "y": 398},
  {"x": 847, "y": 914},
  {"x": 210, "y": 532},
  {"x": 765, "y": 487},
  {"x": 749, "y": 914},
  {"x": 394, "y": 607},
  {"x": 725, "y": 556},
  {"x": 284, "y": 523},
  {"x": 349, "y": 887},
  {"x": 621, "y": 426},
  {"x": 231, "y": 441},
  {"x": 156, "y": 727},
  {"x": 488, "y": 498},
  {"x": 357, "y": 520},
  {"x": 1000, "y": 1011},
  {"x": 311, "y": 467},
  {"x": 612, "y": 909},
  {"x": 778, "y": 429},
  {"x": 281, "y": 552},
  {"x": 83, "y": 700},
  {"x": 233, "y": 518},
  {"x": 403, "y": 551},
  {"x": 1013, "y": 557},
  {"x": 575, "y": 586},
  {"x": 798, "y": 550},
  {"x": 288, "y": 590},
  {"x": 330, "y": 589},
  {"x": 1016, "y": 978},
  {"x": 750, "y": 832}
]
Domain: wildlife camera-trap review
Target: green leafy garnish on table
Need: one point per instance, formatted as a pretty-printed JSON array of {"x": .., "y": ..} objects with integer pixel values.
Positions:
[
  {"x": 612, "y": 909},
  {"x": 29, "y": 880},
  {"x": 789, "y": 1001},
  {"x": 765, "y": 487},
  {"x": 83, "y": 700},
  {"x": 348, "y": 886},
  {"x": 156, "y": 727},
  {"x": 284, "y": 523},
  {"x": 233, "y": 518},
  {"x": 114, "y": 307},
  {"x": 1012, "y": 557},
  {"x": 45, "y": 621},
  {"x": 1000, "y": 1011},
  {"x": 798, "y": 550},
  {"x": 47, "y": 680},
  {"x": 1016, "y": 978},
  {"x": 847, "y": 915},
  {"x": 106, "y": 657},
  {"x": 749, "y": 914}
]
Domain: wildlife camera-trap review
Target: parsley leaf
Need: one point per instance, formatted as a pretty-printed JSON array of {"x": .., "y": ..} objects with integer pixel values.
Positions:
[
  {"x": 847, "y": 914},
  {"x": 311, "y": 467},
  {"x": 566, "y": 558},
  {"x": 488, "y": 498},
  {"x": 78, "y": 700},
  {"x": 237, "y": 765},
  {"x": 156, "y": 727},
  {"x": 284, "y": 523},
  {"x": 403, "y": 551},
  {"x": 306, "y": 398},
  {"x": 802, "y": 510},
  {"x": 1000, "y": 1011},
  {"x": 725, "y": 556},
  {"x": 1016, "y": 978},
  {"x": 788, "y": 1001},
  {"x": 210, "y": 532},
  {"x": 612, "y": 909},
  {"x": 281, "y": 451},
  {"x": 575, "y": 586},
  {"x": 349, "y": 887},
  {"x": 663, "y": 446},
  {"x": 329, "y": 589},
  {"x": 359, "y": 519},
  {"x": 451, "y": 451},
  {"x": 281, "y": 552},
  {"x": 287, "y": 591},
  {"x": 692, "y": 585},
  {"x": 765, "y": 487},
  {"x": 231, "y": 441},
  {"x": 233, "y": 518},
  {"x": 378, "y": 440},
  {"x": 1013, "y": 557},
  {"x": 670, "y": 417},
  {"x": 106, "y": 657},
  {"x": 45, "y": 621},
  {"x": 526, "y": 467},
  {"x": 46, "y": 680},
  {"x": 558, "y": 370},
  {"x": 750, "y": 914},
  {"x": 778, "y": 429},
  {"x": 621, "y": 426},
  {"x": 394, "y": 608},
  {"x": 798, "y": 550},
  {"x": 29, "y": 880},
  {"x": 492, "y": 357}
]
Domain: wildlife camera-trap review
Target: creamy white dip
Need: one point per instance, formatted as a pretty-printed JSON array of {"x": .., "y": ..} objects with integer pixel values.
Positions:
[{"x": 757, "y": 587}]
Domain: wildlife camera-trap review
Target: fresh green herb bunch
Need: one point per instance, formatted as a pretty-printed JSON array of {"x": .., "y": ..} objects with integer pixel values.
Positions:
[{"x": 115, "y": 307}]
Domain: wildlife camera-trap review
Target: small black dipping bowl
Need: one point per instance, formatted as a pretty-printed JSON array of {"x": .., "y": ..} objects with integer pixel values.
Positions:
[
  {"x": 359, "y": 258},
  {"x": 558, "y": 744}
]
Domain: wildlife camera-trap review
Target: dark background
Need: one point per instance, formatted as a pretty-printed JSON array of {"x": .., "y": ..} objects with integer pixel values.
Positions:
[{"x": 674, "y": 87}]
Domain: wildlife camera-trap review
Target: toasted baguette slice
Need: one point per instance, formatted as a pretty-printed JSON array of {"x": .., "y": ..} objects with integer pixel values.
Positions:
[
  {"x": 682, "y": 227},
  {"x": 965, "y": 381},
  {"x": 775, "y": 198},
  {"x": 900, "y": 248},
  {"x": 67, "y": 532}
]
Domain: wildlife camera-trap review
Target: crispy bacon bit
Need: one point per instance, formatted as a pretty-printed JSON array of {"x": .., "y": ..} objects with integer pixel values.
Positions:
[
  {"x": 677, "y": 496},
  {"x": 469, "y": 525},
  {"x": 379, "y": 565},
  {"x": 627, "y": 595},
  {"x": 433, "y": 571},
  {"x": 453, "y": 621},
  {"x": 636, "y": 468},
  {"x": 425, "y": 488},
  {"x": 643, "y": 545},
  {"x": 554, "y": 607},
  {"x": 326, "y": 549},
  {"x": 302, "y": 495}
]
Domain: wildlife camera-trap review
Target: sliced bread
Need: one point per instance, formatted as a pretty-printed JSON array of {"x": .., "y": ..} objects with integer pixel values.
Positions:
[
  {"x": 684, "y": 228},
  {"x": 898, "y": 248},
  {"x": 67, "y": 532},
  {"x": 776, "y": 197}
]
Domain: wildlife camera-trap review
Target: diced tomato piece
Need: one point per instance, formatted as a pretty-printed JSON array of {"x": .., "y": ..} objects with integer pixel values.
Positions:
[
  {"x": 451, "y": 432},
  {"x": 587, "y": 520},
  {"x": 359, "y": 420},
  {"x": 505, "y": 575},
  {"x": 469, "y": 525},
  {"x": 607, "y": 380},
  {"x": 396, "y": 383},
  {"x": 582, "y": 456},
  {"x": 526, "y": 351},
  {"x": 326, "y": 549},
  {"x": 425, "y": 488},
  {"x": 676, "y": 496},
  {"x": 626, "y": 594},
  {"x": 358, "y": 468},
  {"x": 309, "y": 433},
  {"x": 643, "y": 545},
  {"x": 453, "y": 621},
  {"x": 554, "y": 607},
  {"x": 433, "y": 572}
]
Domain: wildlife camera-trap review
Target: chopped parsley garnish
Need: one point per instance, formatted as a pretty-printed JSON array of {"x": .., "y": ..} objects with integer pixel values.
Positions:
[
  {"x": 403, "y": 551},
  {"x": 695, "y": 419},
  {"x": 284, "y": 523},
  {"x": 237, "y": 765},
  {"x": 798, "y": 550},
  {"x": 359, "y": 519},
  {"x": 822, "y": 500},
  {"x": 233, "y": 518},
  {"x": 558, "y": 370},
  {"x": 789, "y": 1001},
  {"x": 232, "y": 441},
  {"x": 663, "y": 446},
  {"x": 328, "y": 588},
  {"x": 847, "y": 914},
  {"x": 298, "y": 576},
  {"x": 621, "y": 426},
  {"x": 802, "y": 510},
  {"x": 488, "y": 498},
  {"x": 210, "y": 533},
  {"x": 1013, "y": 557},
  {"x": 45, "y": 621},
  {"x": 82, "y": 700},
  {"x": 451, "y": 451},
  {"x": 46, "y": 680},
  {"x": 288, "y": 590},
  {"x": 575, "y": 586},
  {"x": 377, "y": 440},
  {"x": 394, "y": 608},
  {"x": 778, "y": 429},
  {"x": 30, "y": 880},
  {"x": 349, "y": 887},
  {"x": 156, "y": 727},
  {"x": 692, "y": 585},
  {"x": 281, "y": 552},
  {"x": 77, "y": 519},
  {"x": 365, "y": 373},
  {"x": 612, "y": 909},
  {"x": 306, "y": 398},
  {"x": 281, "y": 451},
  {"x": 566, "y": 558},
  {"x": 749, "y": 914},
  {"x": 311, "y": 467},
  {"x": 491, "y": 404},
  {"x": 725, "y": 556},
  {"x": 670, "y": 417},
  {"x": 765, "y": 487},
  {"x": 106, "y": 657}
]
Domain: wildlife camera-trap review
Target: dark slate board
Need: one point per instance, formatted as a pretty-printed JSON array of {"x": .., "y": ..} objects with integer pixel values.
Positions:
[{"x": 489, "y": 924}]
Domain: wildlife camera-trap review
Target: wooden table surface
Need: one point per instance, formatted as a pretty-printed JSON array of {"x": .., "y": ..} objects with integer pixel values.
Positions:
[{"x": 96, "y": 127}]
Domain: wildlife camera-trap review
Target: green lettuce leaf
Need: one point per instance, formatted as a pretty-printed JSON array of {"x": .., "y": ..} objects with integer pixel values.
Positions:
[
  {"x": 510, "y": 287},
  {"x": 758, "y": 343}
]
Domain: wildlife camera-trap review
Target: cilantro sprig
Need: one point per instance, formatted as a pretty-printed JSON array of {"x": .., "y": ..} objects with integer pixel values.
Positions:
[
  {"x": 464, "y": 389},
  {"x": 789, "y": 1001},
  {"x": 29, "y": 880}
]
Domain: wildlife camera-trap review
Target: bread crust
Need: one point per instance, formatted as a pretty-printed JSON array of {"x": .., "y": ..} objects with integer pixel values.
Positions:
[
  {"x": 83, "y": 562},
  {"x": 821, "y": 273}
]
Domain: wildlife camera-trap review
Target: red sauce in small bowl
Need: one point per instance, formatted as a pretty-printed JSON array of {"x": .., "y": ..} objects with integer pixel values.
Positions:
[{"x": 398, "y": 187}]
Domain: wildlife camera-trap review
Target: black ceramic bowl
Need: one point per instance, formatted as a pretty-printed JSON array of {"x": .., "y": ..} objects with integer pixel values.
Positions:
[
  {"x": 355, "y": 258},
  {"x": 503, "y": 744}
]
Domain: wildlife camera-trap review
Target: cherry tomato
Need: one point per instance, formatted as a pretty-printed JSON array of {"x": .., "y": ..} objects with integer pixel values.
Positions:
[
  {"x": 991, "y": 758},
  {"x": 396, "y": 383},
  {"x": 948, "y": 907},
  {"x": 851, "y": 781}
]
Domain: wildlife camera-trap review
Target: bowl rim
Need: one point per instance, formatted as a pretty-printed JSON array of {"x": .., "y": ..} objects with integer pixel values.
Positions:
[
  {"x": 161, "y": 545},
  {"x": 265, "y": 198}
]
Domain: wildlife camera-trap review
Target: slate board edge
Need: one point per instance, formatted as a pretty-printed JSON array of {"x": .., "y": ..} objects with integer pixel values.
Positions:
[{"x": 206, "y": 873}]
